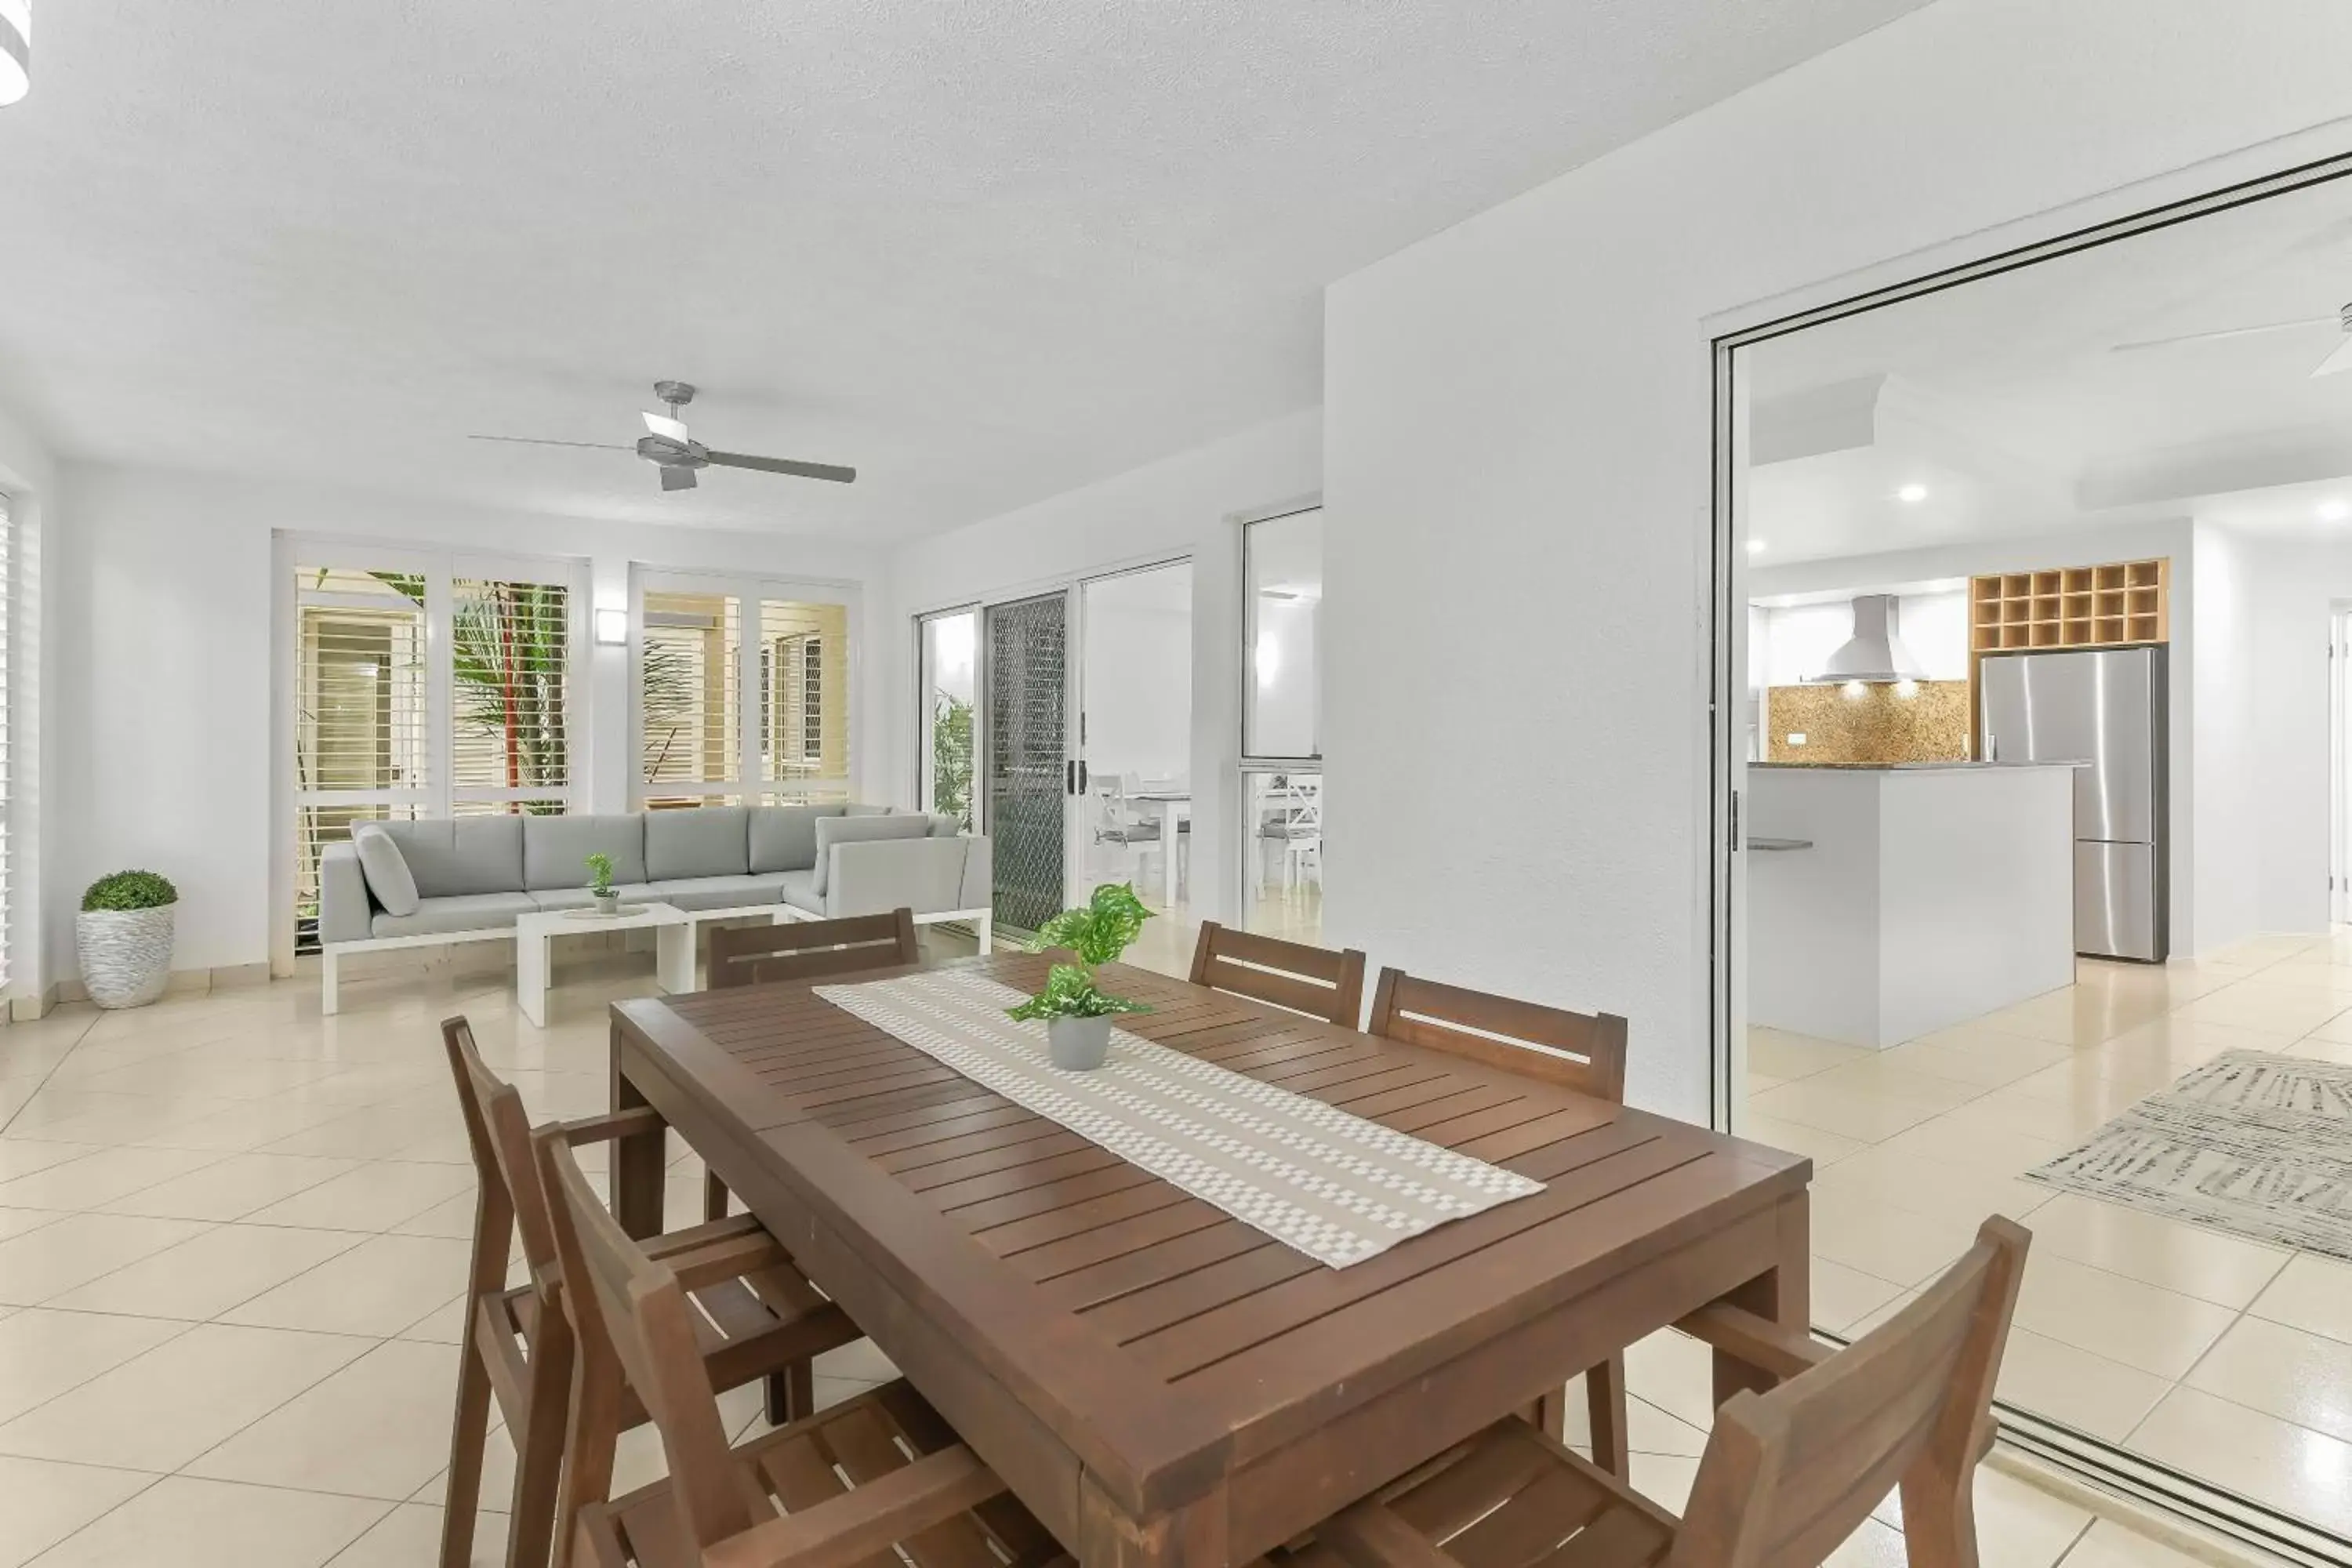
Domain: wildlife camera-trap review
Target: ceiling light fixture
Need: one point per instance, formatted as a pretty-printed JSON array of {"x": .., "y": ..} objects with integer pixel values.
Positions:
[
  {"x": 1912, "y": 495},
  {"x": 2335, "y": 510},
  {"x": 16, "y": 50}
]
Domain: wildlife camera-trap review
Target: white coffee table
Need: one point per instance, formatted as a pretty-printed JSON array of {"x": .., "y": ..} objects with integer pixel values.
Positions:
[{"x": 674, "y": 949}]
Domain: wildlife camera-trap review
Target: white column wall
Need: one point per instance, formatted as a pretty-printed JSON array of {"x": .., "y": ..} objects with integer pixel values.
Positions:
[
  {"x": 31, "y": 478},
  {"x": 1518, "y": 455}
]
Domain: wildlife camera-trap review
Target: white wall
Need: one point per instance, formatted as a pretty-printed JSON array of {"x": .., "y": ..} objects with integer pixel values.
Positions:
[
  {"x": 2225, "y": 868},
  {"x": 161, "y": 732},
  {"x": 1185, "y": 505},
  {"x": 2273, "y": 700},
  {"x": 1138, "y": 675},
  {"x": 1553, "y": 353}
]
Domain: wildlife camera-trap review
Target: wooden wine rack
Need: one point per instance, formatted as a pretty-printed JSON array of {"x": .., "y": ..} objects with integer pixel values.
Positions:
[{"x": 2070, "y": 608}]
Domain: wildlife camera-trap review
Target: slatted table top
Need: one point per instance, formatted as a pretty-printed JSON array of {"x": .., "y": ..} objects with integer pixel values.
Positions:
[{"x": 1161, "y": 1338}]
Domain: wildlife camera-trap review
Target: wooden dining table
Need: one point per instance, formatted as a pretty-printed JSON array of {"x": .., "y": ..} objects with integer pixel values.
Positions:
[{"x": 1159, "y": 1382}]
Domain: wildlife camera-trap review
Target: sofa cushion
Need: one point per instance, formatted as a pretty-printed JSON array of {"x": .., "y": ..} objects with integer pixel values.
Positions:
[
  {"x": 833, "y": 830},
  {"x": 456, "y": 913},
  {"x": 947, "y": 827},
  {"x": 853, "y": 809},
  {"x": 800, "y": 892},
  {"x": 555, "y": 849},
  {"x": 708, "y": 841},
  {"x": 783, "y": 837},
  {"x": 580, "y": 897},
  {"x": 449, "y": 858},
  {"x": 720, "y": 893},
  {"x": 925, "y": 875},
  {"x": 386, "y": 871}
]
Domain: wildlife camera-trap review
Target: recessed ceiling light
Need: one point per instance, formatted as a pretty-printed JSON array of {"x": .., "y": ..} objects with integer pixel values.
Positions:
[
  {"x": 2335, "y": 510},
  {"x": 1755, "y": 547},
  {"x": 1913, "y": 494}
]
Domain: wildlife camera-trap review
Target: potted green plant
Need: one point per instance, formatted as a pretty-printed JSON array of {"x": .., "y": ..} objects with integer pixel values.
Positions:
[
  {"x": 608, "y": 902},
  {"x": 123, "y": 937},
  {"x": 1077, "y": 1012}
]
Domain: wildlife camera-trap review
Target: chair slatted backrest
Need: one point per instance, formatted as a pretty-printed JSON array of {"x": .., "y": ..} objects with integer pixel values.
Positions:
[
  {"x": 1315, "y": 981},
  {"x": 811, "y": 950},
  {"x": 1581, "y": 1051},
  {"x": 498, "y": 1130},
  {"x": 1789, "y": 1474},
  {"x": 633, "y": 1309}
]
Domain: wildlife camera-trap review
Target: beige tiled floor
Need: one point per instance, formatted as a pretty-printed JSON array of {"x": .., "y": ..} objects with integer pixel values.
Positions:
[
  {"x": 2225, "y": 1356},
  {"x": 232, "y": 1242}
]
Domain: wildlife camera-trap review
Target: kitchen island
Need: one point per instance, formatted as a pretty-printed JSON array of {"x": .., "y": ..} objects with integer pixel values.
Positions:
[{"x": 1907, "y": 897}]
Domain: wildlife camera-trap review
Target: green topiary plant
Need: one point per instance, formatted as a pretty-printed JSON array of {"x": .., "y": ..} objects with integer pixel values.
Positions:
[
  {"x": 130, "y": 891},
  {"x": 601, "y": 865},
  {"x": 1098, "y": 932}
]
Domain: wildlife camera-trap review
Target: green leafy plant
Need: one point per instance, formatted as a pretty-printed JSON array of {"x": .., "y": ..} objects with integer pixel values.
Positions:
[
  {"x": 951, "y": 759},
  {"x": 601, "y": 865},
  {"x": 1071, "y": 993},
  {"x": 130, "y": 891},
  {"x": 1097, "y": 932}
]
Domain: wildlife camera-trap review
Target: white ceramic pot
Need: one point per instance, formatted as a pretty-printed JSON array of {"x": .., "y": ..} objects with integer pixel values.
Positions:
[
  {"x": 607, "y": 903},
  {"x": 1078, "y": 1044},
  {"x": 126, "y": 954}
]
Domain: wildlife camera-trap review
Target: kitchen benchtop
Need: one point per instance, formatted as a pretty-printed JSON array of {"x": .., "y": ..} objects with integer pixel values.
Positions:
[{"x": 1951, "y": 767}]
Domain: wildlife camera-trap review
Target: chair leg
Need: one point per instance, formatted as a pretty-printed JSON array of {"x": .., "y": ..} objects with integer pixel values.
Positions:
[
  {"x": 469, "y": 1433},
  {"x": 714, "y": 1196},
  {"x": 588, "y": 1444},
  {"x": 1613, "y": 1448},
  {"x": 1940, "y": 1520},
  {"x": 539, "y": 1450}
]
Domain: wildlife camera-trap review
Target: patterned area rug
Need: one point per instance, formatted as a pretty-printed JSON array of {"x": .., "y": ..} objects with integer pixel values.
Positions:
[{"x": 2250, "y": 1143}]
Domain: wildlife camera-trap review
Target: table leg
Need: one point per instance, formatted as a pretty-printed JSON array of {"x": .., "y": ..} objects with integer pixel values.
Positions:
[
  {"x": 1784, "y": 1294},
  {"x": 1167, "y": 825},
  {"x": 674, "y": 957},
  {"x": 637, "y": 1160},
  {"x": 531, "y": 975},
  {"x": 1111, "y": 1537}
]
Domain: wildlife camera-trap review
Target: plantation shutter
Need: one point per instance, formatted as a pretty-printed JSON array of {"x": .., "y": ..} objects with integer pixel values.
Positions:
[
  {"x": 509, "y": 651},
  {"x": 361, "y": 752},
  {"x": 690, "y": 702},
  {"x": 804, "y": 700}
]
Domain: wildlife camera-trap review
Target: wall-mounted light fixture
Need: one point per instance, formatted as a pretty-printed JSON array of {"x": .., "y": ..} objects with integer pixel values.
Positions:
[{"x": 612, "y": 628}]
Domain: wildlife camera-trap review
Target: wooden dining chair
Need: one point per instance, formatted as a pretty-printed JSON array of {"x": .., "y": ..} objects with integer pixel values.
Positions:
[
  {"x": 1785, "y": 1477},
  {"x": 1580, "y": 1051},
  {"x": 879, "y": 1478},
  {"x": 1315, "y": 981},
  {"x": 759, "y": 1317},
  {"x": 811, "y": 950},
  {"x": 802, "y": 949}
]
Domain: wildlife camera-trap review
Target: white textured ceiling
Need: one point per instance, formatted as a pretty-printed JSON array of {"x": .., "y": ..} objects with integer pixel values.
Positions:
[
  {"x": 984, "y": 252},
  {"x": 2009, "y": 400}
]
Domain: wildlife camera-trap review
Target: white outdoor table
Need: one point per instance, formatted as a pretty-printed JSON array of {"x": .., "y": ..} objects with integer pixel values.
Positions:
[{"x": 674, "y": 948}]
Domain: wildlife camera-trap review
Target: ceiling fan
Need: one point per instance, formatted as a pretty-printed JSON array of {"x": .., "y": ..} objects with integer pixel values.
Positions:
[
  {"x": 667, "y": 445},
  {"x": 2338, "y": 358}
]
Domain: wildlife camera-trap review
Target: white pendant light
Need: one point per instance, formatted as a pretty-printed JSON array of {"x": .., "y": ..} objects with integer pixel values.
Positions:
[{"x": 16, "y": 50}]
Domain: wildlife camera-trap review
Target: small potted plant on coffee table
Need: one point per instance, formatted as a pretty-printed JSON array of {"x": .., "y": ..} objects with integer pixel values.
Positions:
[
  {"x": 608, "y": 902},
  {"x": 1076, "y": 1013}
]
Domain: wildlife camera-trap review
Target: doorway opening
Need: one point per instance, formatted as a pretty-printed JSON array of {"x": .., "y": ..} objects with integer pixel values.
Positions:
[{"x": 2023, "y": 576}]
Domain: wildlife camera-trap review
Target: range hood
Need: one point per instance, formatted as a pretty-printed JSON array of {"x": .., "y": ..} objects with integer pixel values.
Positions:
[{"x": 1875, "y": 654}]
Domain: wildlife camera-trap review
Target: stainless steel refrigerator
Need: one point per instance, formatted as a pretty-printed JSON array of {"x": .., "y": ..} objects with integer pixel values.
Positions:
[{"x": 2106, "y": 710}]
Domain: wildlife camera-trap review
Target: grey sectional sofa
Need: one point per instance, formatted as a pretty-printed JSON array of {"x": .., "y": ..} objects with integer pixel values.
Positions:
[{"x": 466, "y": 880}]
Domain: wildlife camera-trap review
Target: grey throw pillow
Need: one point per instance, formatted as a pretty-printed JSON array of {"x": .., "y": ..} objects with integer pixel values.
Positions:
[{"x": 386, "y": 869}]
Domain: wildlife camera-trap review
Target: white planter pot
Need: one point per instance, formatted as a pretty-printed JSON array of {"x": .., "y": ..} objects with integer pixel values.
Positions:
[{"x": 126, "y": 954}]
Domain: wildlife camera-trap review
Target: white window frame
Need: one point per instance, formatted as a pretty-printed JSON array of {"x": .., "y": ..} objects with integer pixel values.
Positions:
[
  {"x": 440, "y": 792},
  {"x": 752, "y": 785},
  {"x": 922, "y": 783}
]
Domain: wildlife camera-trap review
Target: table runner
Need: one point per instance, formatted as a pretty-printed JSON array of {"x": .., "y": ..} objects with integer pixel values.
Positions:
[{"x": 1334, "y": 1186}]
